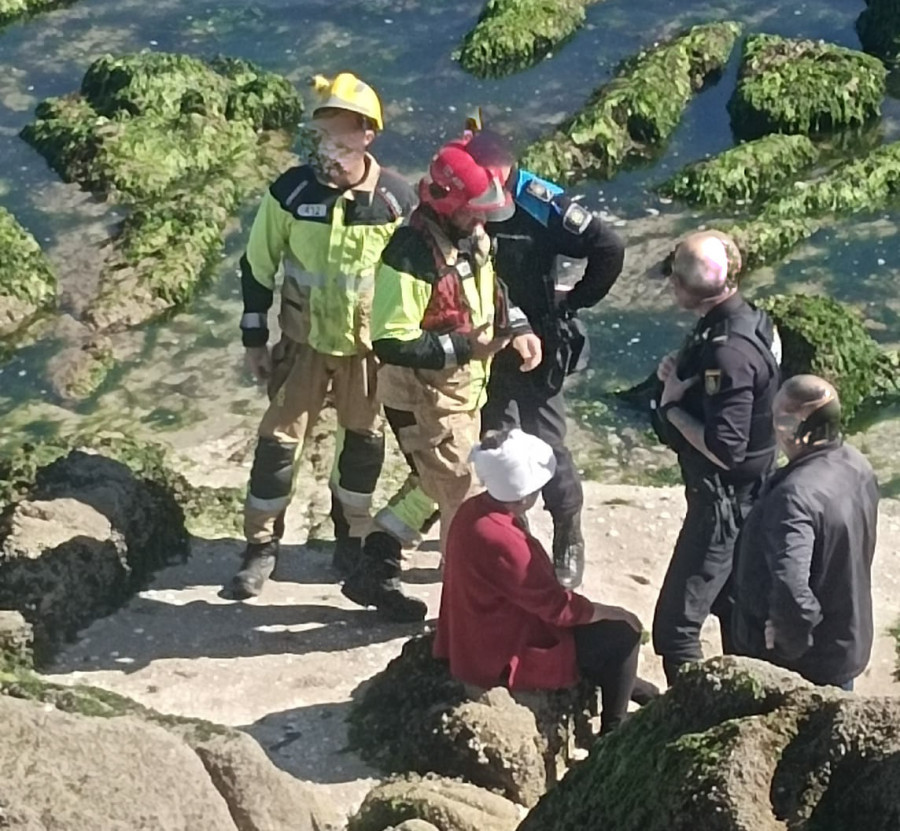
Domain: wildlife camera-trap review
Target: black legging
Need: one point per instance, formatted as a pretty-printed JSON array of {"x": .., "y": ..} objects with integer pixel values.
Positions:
[{"x": 607, "y": 656}]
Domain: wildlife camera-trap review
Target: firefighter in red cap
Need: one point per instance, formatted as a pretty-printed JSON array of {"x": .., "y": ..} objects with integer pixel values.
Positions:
[{"x": 438, "y": 316}]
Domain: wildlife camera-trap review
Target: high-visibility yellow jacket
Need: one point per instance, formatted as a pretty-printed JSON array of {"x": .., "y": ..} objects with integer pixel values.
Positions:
[
  {"x": 329, "y": 241},
  {"x": 428, "y": 296}
]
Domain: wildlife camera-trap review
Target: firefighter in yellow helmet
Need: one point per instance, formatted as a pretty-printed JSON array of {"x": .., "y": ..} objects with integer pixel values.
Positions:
[{"x": 325, "y": 223}]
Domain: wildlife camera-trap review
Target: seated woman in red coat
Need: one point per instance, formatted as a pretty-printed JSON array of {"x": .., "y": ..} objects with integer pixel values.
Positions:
[{"x": 504, "y": 618}]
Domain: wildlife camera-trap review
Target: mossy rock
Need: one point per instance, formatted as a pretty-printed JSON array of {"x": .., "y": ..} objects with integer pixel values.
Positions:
[
  {"x": 167, "y": 86},
  {"x": 745, "y": 174},
  {"x": 27, "y": 282},
  {"x": 447, "y": 804},
  {"x": 765, "y": 240},
  {"x": 511, "y": 35},
  {"x": 164, "y": 251},
  {"x": 634, "y": 114},
  {"x": 878, "y": 28},
  {"x": 862, "y": 185},
  {"x": 737, "y": 744},
  {"x": 803, "y": 86},
  {"x": 821, "y": 336},
  {"x": 183, "y": 142},
  {"x": 204, "y": 507},
  {"x": 11, "y": 10}
]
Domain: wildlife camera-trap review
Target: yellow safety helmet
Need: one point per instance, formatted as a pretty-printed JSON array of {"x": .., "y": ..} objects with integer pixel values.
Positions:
[{"x": 347, "y": 92}]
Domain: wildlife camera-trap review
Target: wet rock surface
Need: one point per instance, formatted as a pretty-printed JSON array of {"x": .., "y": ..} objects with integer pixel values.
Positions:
[{"x": 738, "y": 744}]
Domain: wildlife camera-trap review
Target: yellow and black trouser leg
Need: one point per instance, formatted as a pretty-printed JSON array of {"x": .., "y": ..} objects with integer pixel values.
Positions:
[
  {"x": 358, "y": 460},
  {"x": 271, "y": 485}
]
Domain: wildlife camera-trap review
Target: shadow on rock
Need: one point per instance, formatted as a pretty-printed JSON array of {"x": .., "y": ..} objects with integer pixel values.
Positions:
[{"x": 298, "y": 740}]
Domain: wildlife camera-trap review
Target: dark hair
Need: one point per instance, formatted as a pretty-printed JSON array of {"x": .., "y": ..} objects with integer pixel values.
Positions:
[{"x": 493, "y": 439}]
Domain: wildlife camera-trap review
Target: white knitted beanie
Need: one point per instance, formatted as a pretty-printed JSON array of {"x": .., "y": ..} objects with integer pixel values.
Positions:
[{"x": 519, "y": 467}]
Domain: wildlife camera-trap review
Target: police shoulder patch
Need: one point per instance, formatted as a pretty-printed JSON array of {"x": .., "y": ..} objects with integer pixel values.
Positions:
[
  {"x": 576, "y": 218},
  {"x": 538, "y": 190},
  {"x": 712, "y": 381}
]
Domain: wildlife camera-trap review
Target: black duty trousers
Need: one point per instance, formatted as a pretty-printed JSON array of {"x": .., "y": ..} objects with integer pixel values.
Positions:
[
  {"x": 515, "y": 400},
  {"x": 697, "y": 582},
  {"x": 607, "y": 656}
]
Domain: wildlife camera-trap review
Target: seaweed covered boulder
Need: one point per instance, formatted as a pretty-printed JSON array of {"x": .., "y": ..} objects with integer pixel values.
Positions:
[
  {"x": 86, "y": 538},
  {"x": 737, "y": 744},
  {"x": 514, "y": 34},
  {"x": 824, "y": 337},
  {"x": 82, "y": 529},
  {"x": 144, "y": 123},
  {"x": 182, "y": 142},
  {"x": 11, "y": 10},
  {"x": 414, "y": 717},
  {"x": 94, "y": 759},
  {"x": 747, "y": 173},
  {"x": 444, "y": 804},
  {"x": 879, "y": 30},
  {"x": 636, "y": 112},
  {"x": 27, "y": 282},
  {"x": 860, "y": 185},
  {"x": 804, "y": 86}
]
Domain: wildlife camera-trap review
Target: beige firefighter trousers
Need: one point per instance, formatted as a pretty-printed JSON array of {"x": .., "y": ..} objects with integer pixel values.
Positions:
[{"x": 300, "y": 380}]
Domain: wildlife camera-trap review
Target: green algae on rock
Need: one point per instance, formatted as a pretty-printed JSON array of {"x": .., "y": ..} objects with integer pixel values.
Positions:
[
  {"x": 737, "y": 744},
  {"x": 183, "y": 142},
  {"x": 636, "y": 112},
  {"x": 204, "y": 507},
  {"x": 511, "y": 35},
  {"x": 821, "y": 336},
  {"x": 14, "y": 9},
  {"x": 27, "y": 283},
  {"x": 746, "y": 173},
  {"x": 859, "y": 185},
  {"x": 803, "y": 86},
  {"x": 145, "y": 123},
  {"x": 879, "y": 30}
]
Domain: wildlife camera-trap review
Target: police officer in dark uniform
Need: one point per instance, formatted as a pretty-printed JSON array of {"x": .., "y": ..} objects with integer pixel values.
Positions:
[
  {"x": 546, "y": 224},
  {"x": 715, "y": 412}
]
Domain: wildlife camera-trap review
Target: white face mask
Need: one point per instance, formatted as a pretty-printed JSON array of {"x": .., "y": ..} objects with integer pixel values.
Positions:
[{"x": 333, "y": 156}]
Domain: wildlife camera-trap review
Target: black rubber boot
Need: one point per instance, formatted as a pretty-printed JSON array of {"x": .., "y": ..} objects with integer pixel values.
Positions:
[
  {"x": 568, "y": 550},
  {"x": 347, "y": 550},
  {"x": 377, "y": 581},
  {"x": 259, "y": 563}
]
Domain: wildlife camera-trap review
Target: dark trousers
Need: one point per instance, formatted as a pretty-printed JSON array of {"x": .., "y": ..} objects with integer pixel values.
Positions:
[
  {"x": 515, "y": 400},
  {"x": 607, "y": 656},
  {"x": 698, "y": 579}
]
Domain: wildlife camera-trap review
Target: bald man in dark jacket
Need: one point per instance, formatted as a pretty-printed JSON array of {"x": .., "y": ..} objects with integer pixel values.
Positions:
[{"x": 802, "y": 580}]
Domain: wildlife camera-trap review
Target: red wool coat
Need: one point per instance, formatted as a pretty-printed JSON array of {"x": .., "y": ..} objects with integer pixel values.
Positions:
[{"x": 503, "y": 613}]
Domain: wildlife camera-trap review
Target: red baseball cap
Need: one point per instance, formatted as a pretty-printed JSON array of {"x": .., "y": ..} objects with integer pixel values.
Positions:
[{"x": 455, "y": 181}]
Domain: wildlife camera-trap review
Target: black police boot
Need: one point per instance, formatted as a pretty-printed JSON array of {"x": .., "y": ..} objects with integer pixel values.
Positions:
[
  {"x": 568, "y": 550},
  {"x": 347, "y": 550},
  {"x": 259, "y": 563},
  {"x": 377, "y": 581}
]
